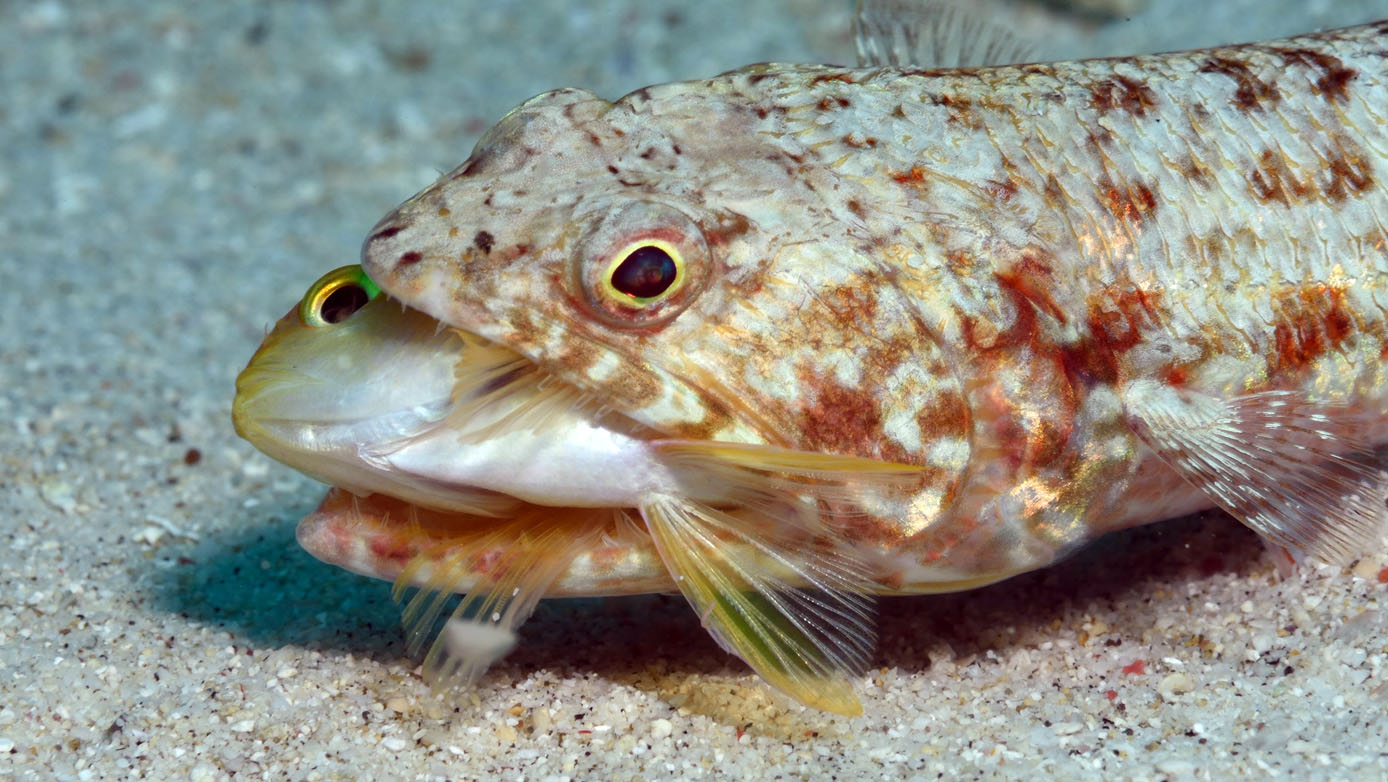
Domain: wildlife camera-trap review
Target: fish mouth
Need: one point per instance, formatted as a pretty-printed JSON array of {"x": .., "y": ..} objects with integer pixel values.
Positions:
[{"x": 401, "y": 415}]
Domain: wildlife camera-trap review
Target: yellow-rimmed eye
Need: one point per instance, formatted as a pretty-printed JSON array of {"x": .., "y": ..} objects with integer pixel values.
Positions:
[
  {"x": 644, "y": 272},
  {"x": 640, "y": 264},
  {"x": 337, "y": 296}
]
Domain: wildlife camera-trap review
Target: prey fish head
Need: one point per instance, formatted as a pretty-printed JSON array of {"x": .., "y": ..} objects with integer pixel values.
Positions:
[{"x": 374, "y": 397}]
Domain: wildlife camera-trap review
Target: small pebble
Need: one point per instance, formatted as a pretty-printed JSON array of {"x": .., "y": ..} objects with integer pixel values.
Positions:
[
  {"x": 661, "y": 728},
  {"x": 1366, "y": 568},
  {"x": 59, "y": 494},
  {"x": 1175, "y": 684}
]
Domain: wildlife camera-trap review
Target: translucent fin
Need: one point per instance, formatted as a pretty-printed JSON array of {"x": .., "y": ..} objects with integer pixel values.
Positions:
[
  {"x": 497, "y": 390},
  {"x": 788, "y": 601},
  {"x": 1295, "y": 471},
  {"x": 748, "y": 474},
  {"x": 508, "y": 568},
  {"x": 788, "y": 460},
  {"x": 1286, "y": 560},
  {"x": 934, "y": 34}
]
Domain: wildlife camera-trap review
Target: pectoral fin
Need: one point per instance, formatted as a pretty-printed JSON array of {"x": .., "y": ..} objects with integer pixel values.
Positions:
[
  {"x": 793, "y": 605},
  {"x": 1293, "y": 469}
]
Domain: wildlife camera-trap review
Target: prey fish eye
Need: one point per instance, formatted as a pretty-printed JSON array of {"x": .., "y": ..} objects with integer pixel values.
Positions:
[
  {"x": 337, "y": 296},
  {"x": 646, "y": 272}
]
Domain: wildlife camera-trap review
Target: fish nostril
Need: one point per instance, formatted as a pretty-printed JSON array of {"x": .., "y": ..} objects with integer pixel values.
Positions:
[{"x": 386, "y": 233}]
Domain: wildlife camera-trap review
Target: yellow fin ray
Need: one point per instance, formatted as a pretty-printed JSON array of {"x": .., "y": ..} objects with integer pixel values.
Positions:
[
  {"x": 789, "y": 600},
  {"x": 788, "y": 460},
  {"x": 758, "y": 475},
  {"x": 768, "y": 478}
]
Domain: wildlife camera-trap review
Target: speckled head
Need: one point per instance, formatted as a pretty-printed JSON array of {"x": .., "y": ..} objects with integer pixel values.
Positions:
[
  {"x": 689, "y": 254},
  {"x": 521, "y": 243}
]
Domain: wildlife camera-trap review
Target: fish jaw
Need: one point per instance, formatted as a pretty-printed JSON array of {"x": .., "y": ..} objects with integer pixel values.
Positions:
[{"x": 382, "y": 537}]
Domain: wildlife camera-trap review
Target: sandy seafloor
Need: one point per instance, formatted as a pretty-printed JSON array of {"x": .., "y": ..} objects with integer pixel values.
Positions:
[{"x": 174, "y": 175}]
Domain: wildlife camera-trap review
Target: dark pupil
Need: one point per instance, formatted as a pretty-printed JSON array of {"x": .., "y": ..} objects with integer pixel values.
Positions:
[
  {"x": 342, "y": 303},
  {"x": 647, "y": 272}
]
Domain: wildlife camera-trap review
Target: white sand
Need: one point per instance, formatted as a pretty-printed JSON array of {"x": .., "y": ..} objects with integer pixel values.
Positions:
[{"x": 173, "y": 178}]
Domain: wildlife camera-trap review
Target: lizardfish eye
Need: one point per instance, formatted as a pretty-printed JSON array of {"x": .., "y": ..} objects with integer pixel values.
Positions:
[
  {"x": 640, "y": 264},
  {"x": 646, "y": 271},
  {"x": 337, "y": 296}
]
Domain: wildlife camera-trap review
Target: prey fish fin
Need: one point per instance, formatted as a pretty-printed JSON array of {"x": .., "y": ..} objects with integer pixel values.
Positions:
[
  {"x": 1293, "y": 469},
  {"x": 933, "y": 34},
  {"x": 761, "y": 468},
  {"x": 799, "y": 615},
  {"x": 505, "y": 570},
  {"x": 496, "y": 391}
]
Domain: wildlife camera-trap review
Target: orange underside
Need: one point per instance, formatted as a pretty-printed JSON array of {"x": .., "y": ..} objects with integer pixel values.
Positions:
[{"x": 380, "y": 536}]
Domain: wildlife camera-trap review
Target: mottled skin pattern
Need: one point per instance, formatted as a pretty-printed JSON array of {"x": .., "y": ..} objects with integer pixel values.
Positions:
[{"x": 956, "y": 269}]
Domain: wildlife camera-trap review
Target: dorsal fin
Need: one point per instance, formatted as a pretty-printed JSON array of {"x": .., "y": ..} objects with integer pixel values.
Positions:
[{"x": 934, "y": 34}]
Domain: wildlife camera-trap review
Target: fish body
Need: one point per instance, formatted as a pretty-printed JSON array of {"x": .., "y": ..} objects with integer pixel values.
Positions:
[{"x": 935, "y": 327}]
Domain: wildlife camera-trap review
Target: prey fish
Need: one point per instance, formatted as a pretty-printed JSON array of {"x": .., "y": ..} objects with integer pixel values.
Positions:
[{"x": 796, "y": 335}]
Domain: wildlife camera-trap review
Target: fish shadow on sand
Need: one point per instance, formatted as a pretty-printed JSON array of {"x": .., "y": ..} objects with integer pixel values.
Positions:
[
  {"x": 263, "y": 589},
  {"x": 655, "y": 644},
  {"x": 258, "y": 585}
]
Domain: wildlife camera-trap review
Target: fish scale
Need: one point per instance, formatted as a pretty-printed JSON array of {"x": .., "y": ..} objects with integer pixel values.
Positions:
[
  {"x": 973, "y": 317},
  {"x": 957, "y": 268}
]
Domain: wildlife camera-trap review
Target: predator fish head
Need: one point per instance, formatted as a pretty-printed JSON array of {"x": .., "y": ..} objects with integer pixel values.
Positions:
[
  {"x": 528, "y": 243},
  {"x": 672, "y": 255},
  {"x": 671, "y": 364}
]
